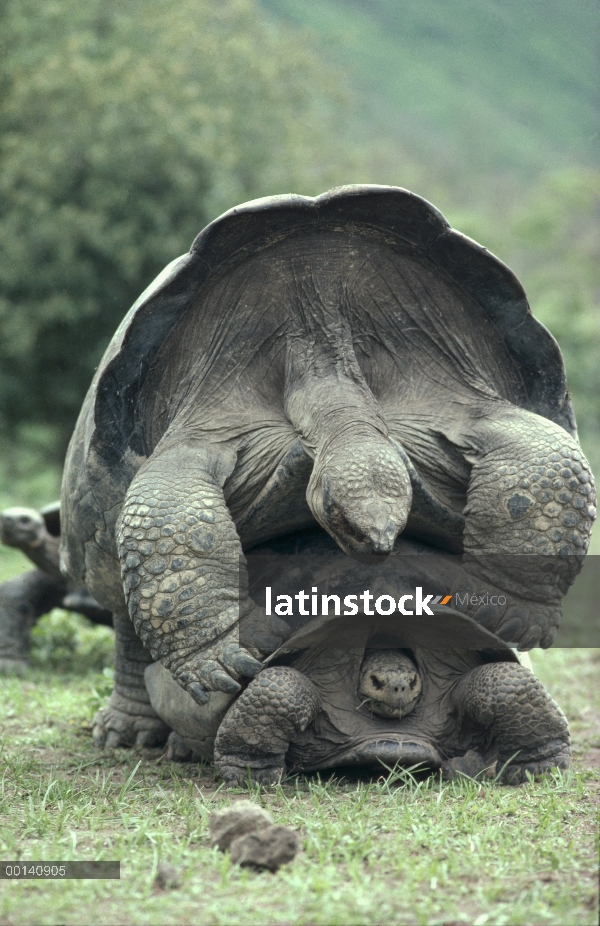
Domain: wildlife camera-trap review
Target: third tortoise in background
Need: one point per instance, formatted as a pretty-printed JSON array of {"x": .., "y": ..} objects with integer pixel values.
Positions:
[
  {"x": 348, "y": 359},
  {"x": 25, "y": 597}
]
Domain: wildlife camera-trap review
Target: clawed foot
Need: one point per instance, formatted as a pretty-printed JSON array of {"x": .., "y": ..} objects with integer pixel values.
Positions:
[
  {"x": 237, "y": 770},
  {"x": 125, "y": 723},
  {"x": 515, "y": 620},
  {"x": 220, "y": 667},
  {"x": 177, "y": 749},
  {"x": 517, "y": 773}
]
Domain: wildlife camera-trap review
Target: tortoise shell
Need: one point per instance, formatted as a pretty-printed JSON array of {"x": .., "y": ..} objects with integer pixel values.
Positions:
[
  {"x": 405, "y": 223},
  {"x": 454, "y": 313}
]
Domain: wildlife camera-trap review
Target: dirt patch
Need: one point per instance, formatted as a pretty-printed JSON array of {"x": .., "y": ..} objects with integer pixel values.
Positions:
[{"x": 590, "y": 758}]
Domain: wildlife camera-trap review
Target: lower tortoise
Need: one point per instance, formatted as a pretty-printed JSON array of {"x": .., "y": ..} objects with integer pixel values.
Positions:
[{"x": 436, "y": 690}]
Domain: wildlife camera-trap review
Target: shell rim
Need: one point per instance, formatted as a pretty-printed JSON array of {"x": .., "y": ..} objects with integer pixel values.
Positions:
[{"x": 126, "y": 361}]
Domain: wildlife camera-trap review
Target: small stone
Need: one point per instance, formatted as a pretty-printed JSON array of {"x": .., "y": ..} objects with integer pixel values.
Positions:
[
  {"x": 270, "y": 848},
  {"x": 167, "y": 876},
  {"x": 241, "y": 818}
]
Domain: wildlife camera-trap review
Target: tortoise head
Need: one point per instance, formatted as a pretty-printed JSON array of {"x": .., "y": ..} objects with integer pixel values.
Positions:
[
  {"x": 22, "y": 527},
  {"x": 390, "y": 681},
  {"x": 360, "y": 492}
]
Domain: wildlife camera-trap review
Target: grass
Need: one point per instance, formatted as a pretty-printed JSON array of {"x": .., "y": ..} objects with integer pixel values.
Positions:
[{"x": 391, "y": 849}]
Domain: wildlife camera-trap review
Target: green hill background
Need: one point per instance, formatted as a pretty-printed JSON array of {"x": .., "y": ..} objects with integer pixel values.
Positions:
[
  {"x": 127, "y": 125},
  {"x": 481, "y": 90}
]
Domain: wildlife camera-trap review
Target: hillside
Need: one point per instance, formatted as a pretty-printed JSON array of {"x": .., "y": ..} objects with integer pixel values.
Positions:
[{"x": 470, "y": 87}]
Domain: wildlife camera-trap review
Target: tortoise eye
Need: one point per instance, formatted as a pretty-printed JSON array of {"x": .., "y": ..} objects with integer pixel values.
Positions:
[
  {"x": 376, "y": 683},
  {"x": 413, "y": 682}
]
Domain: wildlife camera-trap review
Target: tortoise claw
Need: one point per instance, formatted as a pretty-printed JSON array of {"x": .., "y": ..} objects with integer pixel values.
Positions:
[
  {"x": 224, "y": 682},
  {"x": 530, "y": 639},
  {"x": 198, "y": 693},
  {"x": 548, "y": 638},
  {"x": 239, "y": 661},
  {"x": 214, "y": 678},
  {"x": 510, "y": 630},
  {"x": 266, "y": 643}
]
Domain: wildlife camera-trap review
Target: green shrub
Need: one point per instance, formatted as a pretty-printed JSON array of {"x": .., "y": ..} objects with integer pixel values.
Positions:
[{"x": 66, "y": 642}]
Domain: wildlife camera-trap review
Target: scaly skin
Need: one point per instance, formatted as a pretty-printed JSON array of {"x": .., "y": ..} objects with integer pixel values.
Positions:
[
  {"x": 524, "y": 729},
  {"x": 529, "y": 513},
  {"x": 128, "y": 719},
  {"x": 182, "y": 565},
  {"x": 255, "y": 734},
  {"x": 359, "y": 490}
]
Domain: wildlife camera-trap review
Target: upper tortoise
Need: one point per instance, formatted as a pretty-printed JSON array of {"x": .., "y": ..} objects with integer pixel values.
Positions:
[{"x": 350, "y": 359}]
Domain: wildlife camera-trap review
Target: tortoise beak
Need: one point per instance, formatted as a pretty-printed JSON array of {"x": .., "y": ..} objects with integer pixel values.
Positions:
[{"x": 382, "y": 529}]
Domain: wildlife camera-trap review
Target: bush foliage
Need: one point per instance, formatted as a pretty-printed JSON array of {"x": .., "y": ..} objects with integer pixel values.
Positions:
[
  {"x": 66, "y": 642},
  {"x": 125, "y": 126}
]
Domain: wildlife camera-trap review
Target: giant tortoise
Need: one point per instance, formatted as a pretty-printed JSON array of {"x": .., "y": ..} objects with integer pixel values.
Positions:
[
  {"x": 433, "y": 690},
  {"x": 24, "y": 598},
  {"x": 437, "y": 692},
  {"x": 350, "y": 360}
]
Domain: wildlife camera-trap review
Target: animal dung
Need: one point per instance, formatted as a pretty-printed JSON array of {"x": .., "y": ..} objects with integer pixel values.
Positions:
[
  {"x": 167, "y": 876},
  {"x": 270, "y": 848},
  {"x": 251, "y": 836},
  {"x": 241, "y": 818}
]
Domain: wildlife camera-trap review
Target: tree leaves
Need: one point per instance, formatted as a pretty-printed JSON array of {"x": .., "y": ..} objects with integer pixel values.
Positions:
[{"x": 125, "y": 127}]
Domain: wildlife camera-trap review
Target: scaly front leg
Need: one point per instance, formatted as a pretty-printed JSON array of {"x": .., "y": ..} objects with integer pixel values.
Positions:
[
  {"x": 256, "y": 732},
  {"x": 523, "y": 729},
  {"x": 182, "y": 566},
  {"x": 530, "y": 508},
  {"x": 129, "y": 719}
]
